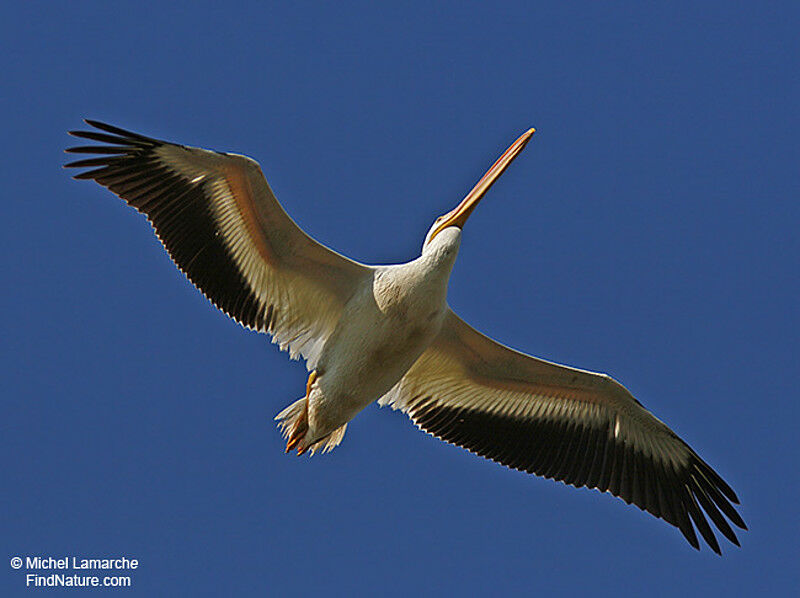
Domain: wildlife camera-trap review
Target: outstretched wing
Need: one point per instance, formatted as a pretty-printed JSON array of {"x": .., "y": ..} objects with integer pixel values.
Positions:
[
  {"x": 570, "y": 425},
  {"x": 221, "y": 224}
]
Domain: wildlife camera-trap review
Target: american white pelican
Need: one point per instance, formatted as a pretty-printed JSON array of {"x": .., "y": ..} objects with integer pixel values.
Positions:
[{"x": 386, "y": 333}]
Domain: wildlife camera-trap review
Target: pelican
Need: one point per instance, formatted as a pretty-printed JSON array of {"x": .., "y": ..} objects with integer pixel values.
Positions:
[{"x": 386, "y": 333}]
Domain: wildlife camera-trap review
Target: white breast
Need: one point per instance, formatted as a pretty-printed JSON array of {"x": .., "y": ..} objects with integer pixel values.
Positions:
[{"x": 385, "y": 327}]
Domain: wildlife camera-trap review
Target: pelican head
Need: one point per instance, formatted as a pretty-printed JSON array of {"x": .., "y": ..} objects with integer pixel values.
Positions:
[{"x": 456, "y": 218}]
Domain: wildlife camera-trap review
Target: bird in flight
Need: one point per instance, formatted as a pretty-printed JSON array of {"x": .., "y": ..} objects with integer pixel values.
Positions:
[{"x": 386, "y": 333}]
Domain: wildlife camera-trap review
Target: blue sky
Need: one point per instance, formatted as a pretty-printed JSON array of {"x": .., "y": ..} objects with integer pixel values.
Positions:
[{"x": 649, "y": 230}]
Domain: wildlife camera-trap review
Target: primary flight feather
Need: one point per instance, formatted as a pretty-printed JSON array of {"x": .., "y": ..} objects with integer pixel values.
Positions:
[{"x": 386, "y": 333}]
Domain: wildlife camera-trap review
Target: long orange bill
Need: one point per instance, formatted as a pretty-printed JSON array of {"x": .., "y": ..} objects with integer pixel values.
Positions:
[{"x": 460, "y": 214}]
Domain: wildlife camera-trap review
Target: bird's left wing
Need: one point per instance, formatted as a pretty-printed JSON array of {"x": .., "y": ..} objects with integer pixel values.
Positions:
[
  {"x": 222, "y": 226},
  {"x": 571, "y": 425}
]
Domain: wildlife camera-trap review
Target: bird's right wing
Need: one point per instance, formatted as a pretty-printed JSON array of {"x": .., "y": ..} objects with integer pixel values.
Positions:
[
  {"x": 222, "y": 226},
  {"x": 571, "y": 425}
]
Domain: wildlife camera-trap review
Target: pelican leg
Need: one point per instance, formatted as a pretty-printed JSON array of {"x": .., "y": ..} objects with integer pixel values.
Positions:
[{"x": 300, "y": 426}]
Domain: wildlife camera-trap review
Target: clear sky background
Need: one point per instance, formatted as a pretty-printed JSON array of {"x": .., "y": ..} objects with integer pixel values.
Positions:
[{"x": 649, "y": 231}]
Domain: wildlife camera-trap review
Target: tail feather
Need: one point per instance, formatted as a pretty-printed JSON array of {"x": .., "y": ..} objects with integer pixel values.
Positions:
[
  {"x": 330, "y": 442},
  {"x": 289, "y": 418}
]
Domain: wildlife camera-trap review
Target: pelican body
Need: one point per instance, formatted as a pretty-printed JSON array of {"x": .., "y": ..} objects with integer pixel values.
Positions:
[
  {"x": 387, "y": 334},
  {"x": 384, "y": 329}
]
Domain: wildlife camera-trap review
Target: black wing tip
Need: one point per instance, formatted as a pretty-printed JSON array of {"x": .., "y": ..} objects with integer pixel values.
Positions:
[
  {"x": 112, "y": 142},
  {"x": 675, "y": 487},
  {"x": 691, "y": 537},
  {"x": 86, "y": 175},
  {"x": 102, "y": 161},
  {"x": 112, "y": 134},
  {"x": 111, "y": 128},
  {"x": 721, "y": 484}
]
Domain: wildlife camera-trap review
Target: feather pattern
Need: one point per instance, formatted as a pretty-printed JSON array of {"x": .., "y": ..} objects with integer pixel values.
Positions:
[
  {"x": 578, "y": 427},
  {"x": 222, "y": 226}
]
